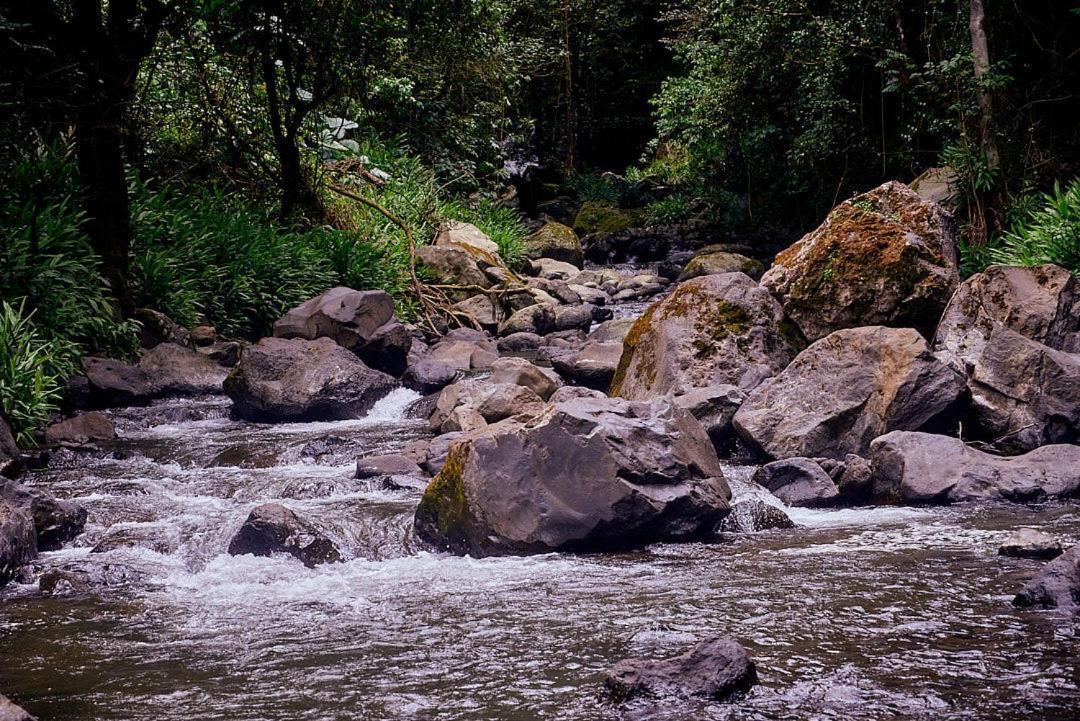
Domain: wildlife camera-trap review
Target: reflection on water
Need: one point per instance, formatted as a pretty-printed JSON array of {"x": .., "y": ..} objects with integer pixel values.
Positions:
[{"x": 857, "y": 614}]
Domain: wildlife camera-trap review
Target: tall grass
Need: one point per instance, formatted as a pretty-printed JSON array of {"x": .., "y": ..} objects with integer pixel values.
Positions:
[{"x": 32, "y": 372}]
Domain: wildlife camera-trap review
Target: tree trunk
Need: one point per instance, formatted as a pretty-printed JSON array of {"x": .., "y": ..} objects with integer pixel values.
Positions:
[
  {"x": 981, "y": 53},
  {"x": 100, "y": 150}
]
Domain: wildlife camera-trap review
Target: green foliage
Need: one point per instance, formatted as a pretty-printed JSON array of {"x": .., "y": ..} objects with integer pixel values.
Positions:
[
  {"x": 669, "y": 211},
  {"x": 32, "y": 371},
  {"x": 47, "y": 264},
  {"x": 503, "y": 225},
  {"x": 1050, "y": 233},
  {"x": 591, "y": 188}
]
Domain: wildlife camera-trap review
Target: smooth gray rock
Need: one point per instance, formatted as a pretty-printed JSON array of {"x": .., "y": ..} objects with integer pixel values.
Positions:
[
  {"x": 111, "y": 383},
  {"x": 1030, "y": 543},
  {"x": 81, "y": 430},
  {"x": 392, "y": 464},
  {"x": 273, "y": 528},
  {"x": 593, "y": 366},
  {"x": 491, "y": 401},
  {"x": 429, "y": 376},
  {"x": 586, "y": 474},
  {"x": 518, "y": 371},
  {"x": 715, "y": 407},
  {"x": 1056, "y": 585},
  {"x": 886, "y": 257},
  {"x": 538, "y": 319},
  {"x": 844, "y": 391},
  {"x": 173, "y": 370},
  {"x": 798, "y": 482},
  {"x": 1015, "y": 335},
  {"x": 929, "y": 469},
  {"x": 718, "y": 669},
  {"x": 517, "y": 342},
  {"x": 712, "y": 330},
  {"x": 282, "y": 379}
]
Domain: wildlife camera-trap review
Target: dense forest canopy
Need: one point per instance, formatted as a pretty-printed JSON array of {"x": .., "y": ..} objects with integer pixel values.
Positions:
[{"x": 197, "y": 157}]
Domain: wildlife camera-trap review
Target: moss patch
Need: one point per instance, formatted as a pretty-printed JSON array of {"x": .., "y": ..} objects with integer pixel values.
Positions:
[
  {"x": 599, "y": 217},
  {"x": 444, "y": 506}
]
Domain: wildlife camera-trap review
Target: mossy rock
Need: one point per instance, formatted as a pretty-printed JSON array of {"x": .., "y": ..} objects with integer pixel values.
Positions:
[
  {"x": 721, "y": 262},
  {"x": 598, "y": 217},
  {"x": 555, "y": 241},
  {"x": 886, "y": 257}
]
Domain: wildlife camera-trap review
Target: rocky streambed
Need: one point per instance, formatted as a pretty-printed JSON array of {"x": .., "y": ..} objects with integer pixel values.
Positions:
[{"x": 653, "y": 493}]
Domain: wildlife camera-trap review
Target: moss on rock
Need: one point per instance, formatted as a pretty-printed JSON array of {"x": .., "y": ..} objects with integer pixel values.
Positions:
[{"x": 598, "y": 217}]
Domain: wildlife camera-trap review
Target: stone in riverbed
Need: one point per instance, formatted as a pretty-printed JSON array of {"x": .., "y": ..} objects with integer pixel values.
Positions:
[
  {"x": 1015, "y": 335},
  {"x": 303, "y": 380},
  {"x": 718, "y": 669},
  {"x": 391, "y": 464},
  {"x": 555, "y": 241},
  {"x": 18, "y": 543},
  {"x": 593, "y": 366},
  {"x": 491, "y": 401},
  {"x": 81, "y": 429},
  {"x": 1056, "y": 585},
  {"x": 10, "y": 712},
  {"x": 844, "y": 391},
  {"x": 715, "y": 407},
  {"x": 1029, "y": 543},
  {"x": 518, "y": 371},
  {"x": 56, "y": 521},
  {"x": 720, "y": 262},
  {"x": 927, "y": 468},
  {"x": 583, "y": 475},
  {"x": 273, "y": 528},
  {"x": 798, "y": 482},
  {"x": 429, "y": 376},
  {"x": 174, "y": 370},
  {"x": 538, "y": 319},
  {"x": 886, "y": 257},
  {"x": 712, "y": 330},
  {"x": 752, "y": 516}
]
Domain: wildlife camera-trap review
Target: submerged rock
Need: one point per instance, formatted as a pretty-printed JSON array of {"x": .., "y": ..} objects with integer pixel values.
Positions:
[
  {"x": 303, "y": 380},
  {"x": 798, "y": 482},
  {"x": 712, "y": 330},
  {"x": 927, "y": 468},
  {"x": 1029, "y": 543},
  {"x": 1015, "y": 334},
  {"x": 273, "y": 528},
  {"x": 844, "y": 391},
  {"x": 586, "y": 474},
  {"x": 886, "y": 257},
  {"x": 1056, "y": 585},
  {"x": 392, "y": 464},
  {"x": 752, "y": 516},
  {"x": 717, "y": 669},
  {"x": 55, "y": 520}
]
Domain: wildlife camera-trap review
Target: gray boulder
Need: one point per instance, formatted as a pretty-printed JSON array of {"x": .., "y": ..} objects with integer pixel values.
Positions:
[
  {"x": 1056, "y": 585},
  {"x": 712, "y": 330},
  {"x": 1029, "y": 543},
  {"x": 55, "y": 521},
  {"x": 452, "y": 265},
  {"x": 538, "y": 319},
  {"x": 518, "y": 371},
  {"x": 272, "y": 528},
  {"x": 1015, "y": 334},
  {"x": 753, "y": 516},
  {"x": 429, "y": 376},
  {"x": 81, "y": 430},
  {"x": 927, "y": 468},
  {"x": 715, "y": 263},
  {"x": 718, "y": 669},
  {"x": 18, "y": 544},
  {"x": 593, "y": 366},
  {"x": 111, "y": 383},
  {"x": 555, "y": 241},
  {"x": 612, "y": 331},
  {"x": 392, "y": 464},
  {"x": 844, "y": 391},
  {"x": 517, "y": 342},
  {"x": 173, "y": 370},
  {"x": 584, "y": 475},
  {"x": 282, "y": 379},
  {"x": 886, "y": 257},
  {"x": 490, "y": 401},
  {"x": 798, "y": 482},
  {"x": 714, "y": 407}
]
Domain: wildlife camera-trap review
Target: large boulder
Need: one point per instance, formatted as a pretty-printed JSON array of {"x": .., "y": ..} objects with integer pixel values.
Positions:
[
  {"x": 1015, "y": 334},
  {"x": 712, "y": 330},
  {"x": 844, "y": 391},
  {"x": 518, "y": 371},
  {"x": 468, "y": 237},
  {"x": 56, "y": 521},
  {"x": 886, "y": 257},
  {"x": 110, "y": 382},
  {"x": 453, "y": 265},
  {"x": 282, "y": 379},
  {"x": 175, "y": 370},
  {"x": 80, "y": 430},
  {"x": 593, "y": 366},
  {"x": 1030, "y": 543},
  {"x": 18, "y": 544},
  {"x": 717, "y": 669},
  {"x": 360, "y": 320},
  {"x": 272, "y": 528},
  {"x": 429, "y": 376},
  {"x": 716, "y": 263},
  {"x": 798, "y": 482},
  {"x": 555, "y": 241},
  {"x": 491, "y": 401},
  {"x": 1056, "y": 585},
  {"x": 928, "y": 468},
  {"x": 714, "y": 407},
  {"x": 586, "y": 474}
]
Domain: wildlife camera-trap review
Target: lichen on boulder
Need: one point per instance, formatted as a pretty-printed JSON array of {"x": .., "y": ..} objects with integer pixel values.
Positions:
[
  {"x": 886, "y": 257},
  {"x": 600, "y": 217},
  {"x": 556, "y": 241}
]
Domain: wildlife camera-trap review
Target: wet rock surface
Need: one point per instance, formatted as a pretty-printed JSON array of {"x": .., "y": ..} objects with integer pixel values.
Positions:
[
  {"x": 273, "y": 528},
  {"x": 55, "y": 521},
  {"x": 1030, "y": 543},
  {"x": 718, "y": 669},
  {"x": 1056, "y": 585}
]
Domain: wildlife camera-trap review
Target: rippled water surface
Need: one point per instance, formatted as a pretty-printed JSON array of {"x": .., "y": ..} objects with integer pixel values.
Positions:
[{"x": 857, "y": 614}]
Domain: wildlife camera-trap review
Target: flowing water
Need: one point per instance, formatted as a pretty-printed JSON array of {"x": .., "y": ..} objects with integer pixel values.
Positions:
[{"x": 857, "y": 614}]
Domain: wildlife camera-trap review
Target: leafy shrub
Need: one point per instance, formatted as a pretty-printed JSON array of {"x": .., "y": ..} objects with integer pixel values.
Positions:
[
  {"x": 668, "y": 211},
  {"x": 32, "y": 372},
  {"x": 606, "y": 188},
  {"x": 1050, "y": 233}
]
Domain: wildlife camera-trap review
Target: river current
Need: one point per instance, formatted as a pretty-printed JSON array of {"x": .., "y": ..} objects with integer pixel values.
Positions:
[{"x": 856, "y": 614}]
